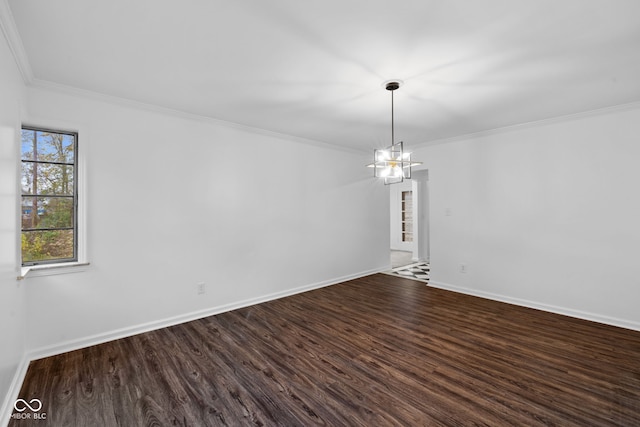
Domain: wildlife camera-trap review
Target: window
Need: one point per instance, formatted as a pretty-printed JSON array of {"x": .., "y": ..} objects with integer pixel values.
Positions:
[
  {"x": 407, "y": 217},
  {"x": 49, "y": 196}
]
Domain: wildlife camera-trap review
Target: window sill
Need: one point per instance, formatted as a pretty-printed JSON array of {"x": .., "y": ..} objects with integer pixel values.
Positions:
[{"x": 52, "y": 269}]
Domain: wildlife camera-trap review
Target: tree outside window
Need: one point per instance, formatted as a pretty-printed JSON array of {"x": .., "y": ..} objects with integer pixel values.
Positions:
[{"x": 49, "y": 196}]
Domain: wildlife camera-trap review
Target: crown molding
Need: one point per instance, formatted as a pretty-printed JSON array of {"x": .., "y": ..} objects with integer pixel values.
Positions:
[
  {"x": 533, "y": 124},
  {"x": 126, "y": 102},
  {"x": 11, "y": 34}
]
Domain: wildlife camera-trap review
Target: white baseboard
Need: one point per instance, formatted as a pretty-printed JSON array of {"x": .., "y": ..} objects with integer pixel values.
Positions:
[
  {"x": 627, "y": 324},
  {"x": 39, "y": 353},
  {"x": 14, "y": 390}
]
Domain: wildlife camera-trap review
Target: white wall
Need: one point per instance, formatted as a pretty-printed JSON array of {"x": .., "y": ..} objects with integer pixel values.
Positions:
[
  {"x": 176, "y": 201},
  {"x": 545, "y": 215},
  {"x": 12, "y": 294}
]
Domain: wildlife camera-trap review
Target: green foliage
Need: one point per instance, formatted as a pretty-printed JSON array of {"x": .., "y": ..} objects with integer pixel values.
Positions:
[
  {"x": 47, "y": 245},
  {"x": 32, "y": 248},
  {"x": 47, "y": 170}
]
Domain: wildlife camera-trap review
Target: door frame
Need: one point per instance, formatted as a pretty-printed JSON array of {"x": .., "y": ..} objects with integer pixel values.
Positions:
[{"x": 419, "y": 187}]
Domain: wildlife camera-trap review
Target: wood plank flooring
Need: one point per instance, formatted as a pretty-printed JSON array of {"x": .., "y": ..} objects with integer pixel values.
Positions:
[{"x": 375, "y": 351}]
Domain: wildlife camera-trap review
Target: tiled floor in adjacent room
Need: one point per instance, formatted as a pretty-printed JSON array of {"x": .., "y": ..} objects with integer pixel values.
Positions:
[{"x": 417, "y": 271}]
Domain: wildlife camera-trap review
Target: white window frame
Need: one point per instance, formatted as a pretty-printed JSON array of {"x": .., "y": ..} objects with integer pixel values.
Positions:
[{"x": 82, "y": 262}]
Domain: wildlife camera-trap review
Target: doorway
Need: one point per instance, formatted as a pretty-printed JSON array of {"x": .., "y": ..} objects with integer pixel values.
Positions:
[
  {"x": 401, "y": 258},
  {"x": 409, "y": 221}
]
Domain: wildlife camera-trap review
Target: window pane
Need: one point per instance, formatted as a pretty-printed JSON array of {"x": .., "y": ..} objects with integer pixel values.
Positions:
[
  {"x": 28, "y": 138},
  {"x": 47, "y": 212},
  {"x": 47, "y": 178},
  {"x": 47, "y": 245},
  {"x": 47, "y": 146},
  {"x": 48, "y": 196}
]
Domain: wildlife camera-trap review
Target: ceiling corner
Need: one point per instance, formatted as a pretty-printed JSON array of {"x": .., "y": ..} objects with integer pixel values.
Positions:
[{"x": 8, "y": 26}]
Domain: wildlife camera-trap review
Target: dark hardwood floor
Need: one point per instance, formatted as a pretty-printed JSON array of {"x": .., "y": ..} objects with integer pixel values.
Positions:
[{"x": 375, "y": 351}]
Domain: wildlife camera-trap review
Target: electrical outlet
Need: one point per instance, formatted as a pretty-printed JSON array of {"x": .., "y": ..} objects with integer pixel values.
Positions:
[
  {"x": 201, "y": 288},
  {"x": 463, "y": 268}
]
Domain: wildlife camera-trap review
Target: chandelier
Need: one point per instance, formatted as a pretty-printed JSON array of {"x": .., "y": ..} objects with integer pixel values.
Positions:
[{"x": 392, "y": 164}]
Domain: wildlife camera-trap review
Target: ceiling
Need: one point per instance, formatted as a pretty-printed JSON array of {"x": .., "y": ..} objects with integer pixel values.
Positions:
[{"x": 315, "y": 69}]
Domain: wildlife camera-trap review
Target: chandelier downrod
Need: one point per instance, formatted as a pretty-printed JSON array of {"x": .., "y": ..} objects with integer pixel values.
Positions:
[{"x": 391, "y": 86}]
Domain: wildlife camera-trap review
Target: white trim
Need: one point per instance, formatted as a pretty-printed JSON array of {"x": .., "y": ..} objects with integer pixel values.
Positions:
[
  {"x": 125, "y": 102},
  {"x": 39, "y": 353},
  {"x": 84, "y": 93},
  {"x": 593, "y": 317},
  {"x": 527, "y": 125},
  {"x": 101, "y": 338},
  {"x": 14, "y": 390},
  {"x": 52, "y": 269},
  {"x": 11, "y": 34},
  {"x": 8, "y": 27},
  {"x": 82, "y": 145}
]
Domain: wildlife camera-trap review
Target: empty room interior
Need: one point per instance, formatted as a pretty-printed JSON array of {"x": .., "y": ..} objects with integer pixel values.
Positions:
[{"x": 198, "y": 202}]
